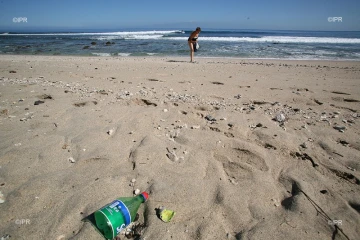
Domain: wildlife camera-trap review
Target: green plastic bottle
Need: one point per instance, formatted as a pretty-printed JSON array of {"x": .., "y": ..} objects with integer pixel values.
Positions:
[{"x": 115, "y": 216}]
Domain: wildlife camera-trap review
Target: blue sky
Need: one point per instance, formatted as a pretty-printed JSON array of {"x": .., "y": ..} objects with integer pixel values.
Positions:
[{"x": 185, "y": 14}]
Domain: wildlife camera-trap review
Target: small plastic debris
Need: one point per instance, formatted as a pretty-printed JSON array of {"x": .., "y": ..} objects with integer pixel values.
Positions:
[{"x": 165, "y": 214}]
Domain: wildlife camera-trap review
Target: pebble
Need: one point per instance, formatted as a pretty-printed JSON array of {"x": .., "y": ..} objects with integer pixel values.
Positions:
[
  {"x": 133, "y": 180},
  {"x": 71, "y": 159},
  {"x": 340, "y": 128},
  {"x": 38, "y": 102},
  {"x": 303, "y": 145},
  {"x": 165, "y": 110},
  {"x": 136, "y": 191},
  {"x": 195, "y": 127},
  {"x": 210, "y": 118}
]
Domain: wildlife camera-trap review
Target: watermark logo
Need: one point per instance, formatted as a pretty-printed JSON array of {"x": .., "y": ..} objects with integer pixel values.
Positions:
[
  {"x": 20, "y": 19},
  {"x": 22, "y": 221},
  {"x": 334, "y": 19},
  {"x": 335, "y": 222}
]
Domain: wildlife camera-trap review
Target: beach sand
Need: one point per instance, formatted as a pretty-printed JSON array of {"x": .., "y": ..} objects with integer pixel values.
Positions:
[{"x": 239, "y": 149}]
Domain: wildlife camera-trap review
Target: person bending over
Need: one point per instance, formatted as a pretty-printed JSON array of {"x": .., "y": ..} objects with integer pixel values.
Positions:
[{"x": 192, "y": 40}]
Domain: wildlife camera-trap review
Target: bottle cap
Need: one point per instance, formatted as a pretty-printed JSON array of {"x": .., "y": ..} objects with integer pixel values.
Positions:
[{"x": 145, "y": 196}]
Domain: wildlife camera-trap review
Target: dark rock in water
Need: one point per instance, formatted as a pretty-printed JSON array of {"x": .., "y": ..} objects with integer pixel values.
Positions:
[
  {"x": 93, "y": 43},
  {"x": 86, "y": 47},
  {"x": 108, "y": 43},
  {"x": 38, "y": 102}
]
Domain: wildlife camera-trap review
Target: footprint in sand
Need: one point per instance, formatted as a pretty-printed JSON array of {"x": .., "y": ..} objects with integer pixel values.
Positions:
[
  {"x": 238, "y": 163},
  {"x": 355, "y": 206},
  {"x": 289, "y": 203},
  {"x": 251, "y": 158}
]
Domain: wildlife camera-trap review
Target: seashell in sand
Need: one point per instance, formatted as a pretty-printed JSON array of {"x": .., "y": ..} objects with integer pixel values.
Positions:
[
  {"x": 280, "y": 117},
  {"x": 110, "y": 132}
]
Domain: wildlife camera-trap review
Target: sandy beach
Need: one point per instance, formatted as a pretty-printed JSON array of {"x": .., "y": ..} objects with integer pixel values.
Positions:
[{"x": 238, "y": 148}]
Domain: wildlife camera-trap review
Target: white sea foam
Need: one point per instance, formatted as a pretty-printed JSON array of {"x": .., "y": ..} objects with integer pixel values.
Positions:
[
  {"x": 99, "y": 33},
  {"x": 143, "y": 37},
  {"x": 277, "y": 39},
  {"x": 124, "y": 54},
  {"x": 102, "y": 54}
]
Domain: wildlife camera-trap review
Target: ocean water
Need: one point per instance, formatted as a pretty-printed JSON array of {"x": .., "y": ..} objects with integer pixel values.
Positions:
[{"x": 267, "y": 44}]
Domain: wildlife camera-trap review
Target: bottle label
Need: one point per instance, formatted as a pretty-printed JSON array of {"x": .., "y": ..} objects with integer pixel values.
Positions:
[{"x": 119, "y": 207}]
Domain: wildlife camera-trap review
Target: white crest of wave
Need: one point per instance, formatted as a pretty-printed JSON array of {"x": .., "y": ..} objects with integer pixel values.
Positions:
[
  {"x": 102, "y": 54},
  {"x": 284, "y": 39},
  {"x": 154, "y": 32},
  {"x": 277, "y": 39},
  {"x": 124, "y": 54}
]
